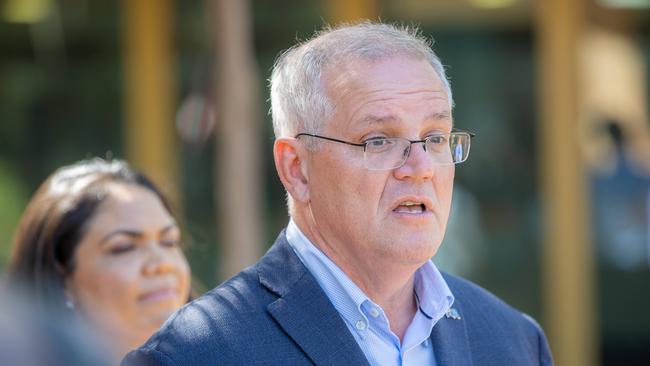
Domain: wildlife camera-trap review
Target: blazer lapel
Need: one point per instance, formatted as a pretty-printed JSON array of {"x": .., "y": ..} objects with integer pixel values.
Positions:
[
  {"x": 450, "y": 342},
  {"x": 304, "y": 311}
]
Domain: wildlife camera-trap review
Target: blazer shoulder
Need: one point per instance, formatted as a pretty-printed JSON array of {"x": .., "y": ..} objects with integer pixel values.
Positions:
[
  {"x": 209, "y": 328},
  {"x": 474, "y": 298},
  {"x": 472, "y": 295},
  {"x": 491, "y": 318}
]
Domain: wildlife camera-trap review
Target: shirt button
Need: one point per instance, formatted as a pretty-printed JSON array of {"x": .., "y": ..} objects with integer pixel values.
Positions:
[
  {"x": 374, "y": 312},
  {"x": 361, "y": 325}
]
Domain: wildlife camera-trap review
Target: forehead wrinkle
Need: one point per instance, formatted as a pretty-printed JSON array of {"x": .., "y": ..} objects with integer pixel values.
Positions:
[
  {"x": 344, "y": 84},
  {"x": 378, "y": 120},
  {"x": 374, "y": 119}
]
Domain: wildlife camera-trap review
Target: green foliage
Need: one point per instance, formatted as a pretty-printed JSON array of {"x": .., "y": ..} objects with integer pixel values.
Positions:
[{"x": 13, "y": 199}]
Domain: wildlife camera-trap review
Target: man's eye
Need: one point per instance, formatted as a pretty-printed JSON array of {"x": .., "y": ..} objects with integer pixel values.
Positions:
[
  {"x": 170, "y": 243},
  {"x": 437, "y": 139},
  {"x": 377, "y": 142}
]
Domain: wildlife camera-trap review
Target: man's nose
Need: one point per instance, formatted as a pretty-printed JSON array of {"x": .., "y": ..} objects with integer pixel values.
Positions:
[{"x": 418, "y": 165}]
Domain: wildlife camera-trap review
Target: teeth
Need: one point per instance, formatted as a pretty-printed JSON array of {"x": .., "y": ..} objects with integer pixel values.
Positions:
[
  {"x": 410, "y": 203},
  {"x": 411, "y": 207}
]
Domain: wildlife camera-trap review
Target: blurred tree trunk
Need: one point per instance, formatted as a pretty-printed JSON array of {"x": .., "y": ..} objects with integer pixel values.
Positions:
[
  {"x": 568, "y": 265},
  {"x": 351, "y": 10},
  {"x": 149, "y": 91},
  {"x": 238, "y": 136}
]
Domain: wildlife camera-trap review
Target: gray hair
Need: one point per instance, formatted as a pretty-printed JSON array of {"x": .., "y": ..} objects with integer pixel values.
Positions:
[{"x": 299, "y": 102}]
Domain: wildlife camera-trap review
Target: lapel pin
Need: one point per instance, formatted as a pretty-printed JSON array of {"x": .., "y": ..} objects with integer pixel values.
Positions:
[{"x": 453, "y": 314}]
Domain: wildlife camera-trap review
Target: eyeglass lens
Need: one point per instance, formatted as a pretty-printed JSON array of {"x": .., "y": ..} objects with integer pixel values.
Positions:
[{"x": 392, "y": 153}]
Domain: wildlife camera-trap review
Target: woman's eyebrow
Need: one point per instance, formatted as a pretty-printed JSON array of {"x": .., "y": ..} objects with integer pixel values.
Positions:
[
  {"x": 134, "y": 233},
  {"x": 131, "y": 233}
]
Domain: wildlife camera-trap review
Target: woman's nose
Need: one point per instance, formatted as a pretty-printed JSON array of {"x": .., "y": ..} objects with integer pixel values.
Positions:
[{"x": 158, "y": 260}]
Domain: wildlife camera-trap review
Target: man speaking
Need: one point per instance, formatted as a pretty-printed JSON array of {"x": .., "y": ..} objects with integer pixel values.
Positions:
[{"x": 366, "y": 149}]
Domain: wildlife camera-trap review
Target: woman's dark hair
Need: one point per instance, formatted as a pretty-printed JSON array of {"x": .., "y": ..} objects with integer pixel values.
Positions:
[{"x": 55, "y": 221}]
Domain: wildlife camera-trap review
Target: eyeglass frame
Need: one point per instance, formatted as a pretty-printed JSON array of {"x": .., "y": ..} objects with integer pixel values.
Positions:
[{"x": 411, "y": 142}]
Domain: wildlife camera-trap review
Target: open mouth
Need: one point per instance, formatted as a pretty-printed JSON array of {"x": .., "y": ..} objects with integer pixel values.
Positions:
[{"x": 411, "y": 207}]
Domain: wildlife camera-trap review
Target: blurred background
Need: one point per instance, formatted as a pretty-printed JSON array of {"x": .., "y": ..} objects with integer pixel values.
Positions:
[{"x": 551, "y": 212}]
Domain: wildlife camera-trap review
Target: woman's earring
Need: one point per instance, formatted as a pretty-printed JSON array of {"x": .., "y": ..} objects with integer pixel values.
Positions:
[{"x": 69, "y": 303}]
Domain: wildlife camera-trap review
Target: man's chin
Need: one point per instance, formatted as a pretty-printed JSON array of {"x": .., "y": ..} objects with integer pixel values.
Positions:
[
  {"x": 414, "y": 251},
  {"x": 422, "y": 235}
]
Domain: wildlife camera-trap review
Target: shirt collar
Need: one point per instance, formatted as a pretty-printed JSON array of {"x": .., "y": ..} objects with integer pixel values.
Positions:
[
  {"x": 431, "y": 290},
  {"x": 344, "y": 294}
]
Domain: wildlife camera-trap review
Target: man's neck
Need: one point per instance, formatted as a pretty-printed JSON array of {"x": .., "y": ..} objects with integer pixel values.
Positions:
[
  {"x": 387, "y": 283},
  {"x": 400, "y": 308}
]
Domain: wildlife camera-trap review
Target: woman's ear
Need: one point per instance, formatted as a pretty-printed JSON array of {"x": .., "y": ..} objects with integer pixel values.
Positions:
[{"x": 290, "y": 162}]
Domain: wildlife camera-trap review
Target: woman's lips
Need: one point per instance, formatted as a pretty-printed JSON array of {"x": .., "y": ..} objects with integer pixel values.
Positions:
[{"x": 158, "y": 294}]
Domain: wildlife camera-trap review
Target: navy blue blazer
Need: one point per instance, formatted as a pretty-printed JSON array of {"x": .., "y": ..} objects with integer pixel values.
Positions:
[{"x": 275, "y": 313}]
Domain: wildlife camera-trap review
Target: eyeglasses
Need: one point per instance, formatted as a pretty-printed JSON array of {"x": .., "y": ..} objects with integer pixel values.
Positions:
[{"x": 386, "y": 153}]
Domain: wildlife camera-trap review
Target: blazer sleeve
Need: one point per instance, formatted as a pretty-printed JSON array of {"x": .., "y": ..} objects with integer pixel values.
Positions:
[
  {"x": 545, "y": 358},
  {"x": 146, "y": 357}
]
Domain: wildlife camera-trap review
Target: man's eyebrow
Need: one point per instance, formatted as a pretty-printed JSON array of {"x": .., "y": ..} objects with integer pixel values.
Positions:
[
  {"x": 168, "y": 228},
  {"x": 379, "y": 119},
  {"x": 437, "y": 116}
]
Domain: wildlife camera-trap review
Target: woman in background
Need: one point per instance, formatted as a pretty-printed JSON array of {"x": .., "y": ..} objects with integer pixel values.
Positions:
[{"x": 99, "y": 239}]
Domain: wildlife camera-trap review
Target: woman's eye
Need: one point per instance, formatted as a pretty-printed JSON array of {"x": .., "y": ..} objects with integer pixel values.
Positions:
[
  {"x": 121, "y": 248},
  {"x": 170, "y": 243}
]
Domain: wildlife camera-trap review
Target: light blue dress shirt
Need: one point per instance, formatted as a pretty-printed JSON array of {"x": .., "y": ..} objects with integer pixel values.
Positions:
[{"x": 366, "y": 320}]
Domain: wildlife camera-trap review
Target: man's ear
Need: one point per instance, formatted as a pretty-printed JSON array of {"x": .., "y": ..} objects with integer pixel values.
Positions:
[{"x": 290, "y": 162}]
